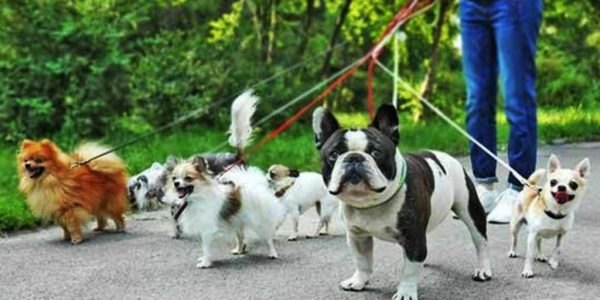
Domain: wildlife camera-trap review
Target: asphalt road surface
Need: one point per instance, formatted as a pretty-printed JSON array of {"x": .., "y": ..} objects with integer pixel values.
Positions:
[{"x": 145, "y": 263}]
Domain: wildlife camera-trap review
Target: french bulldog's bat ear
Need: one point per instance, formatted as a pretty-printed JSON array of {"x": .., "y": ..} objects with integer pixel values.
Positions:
[
  {"x": 294, "y": 173},
  {"x": 553, "y": 163},
  {"x": 583, "y": 167},
  {"x": 324, "y": 125},
  {"x": 386, "y": 121},
  {"x": 171, "y": 162},
  {"x": 200, "y": 163}
]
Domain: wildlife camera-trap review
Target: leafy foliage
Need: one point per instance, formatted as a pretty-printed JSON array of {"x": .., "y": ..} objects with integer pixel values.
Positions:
[{"x": 85, "y": 68}]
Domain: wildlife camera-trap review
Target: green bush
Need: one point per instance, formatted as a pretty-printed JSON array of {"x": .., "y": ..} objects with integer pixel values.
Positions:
[{"x": 85, "y": 68}]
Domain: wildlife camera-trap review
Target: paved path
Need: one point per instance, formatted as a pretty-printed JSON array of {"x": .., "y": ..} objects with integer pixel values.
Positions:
[{"x": 145, "y": 263}]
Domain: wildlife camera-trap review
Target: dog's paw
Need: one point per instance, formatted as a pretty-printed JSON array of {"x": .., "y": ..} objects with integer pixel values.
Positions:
[
  {"x": 76, "y": 241},
  {"x": 512, "y": 254},
  {"x": 353, "y": 284},
  {"x": 541, "y": 258},
  {"x": 553, "y": 262},
  {"x": 98, "y": 229},
  {"x": 482, "y": 275},
  {"x": 238, "y": 251},
  {"x": 323, "y": 233},
  {"x": 203, "y": 264},
  {"x": 404, "y": 293},
  {"x": 527, "y": 274},
  {"x": 272, "y": 256},
  {"x": 293, "y": 238}
]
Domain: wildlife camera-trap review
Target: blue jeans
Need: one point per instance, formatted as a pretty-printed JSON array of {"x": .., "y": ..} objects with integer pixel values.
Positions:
[{"x": 499, "y": 36}]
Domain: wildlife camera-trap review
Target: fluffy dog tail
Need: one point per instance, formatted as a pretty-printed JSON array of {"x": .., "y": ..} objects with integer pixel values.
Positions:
[
  {"x": 109, "y": 163},
  {"x": 242, "y": 110}
]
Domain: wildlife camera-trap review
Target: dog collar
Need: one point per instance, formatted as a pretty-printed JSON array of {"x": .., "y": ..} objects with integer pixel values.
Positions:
[
  {"x": 402, "y": 179},
  {"x": 553, "y": 215},
  {"x": 401, "y": 182},
  {"x": 283, "y": 190}
]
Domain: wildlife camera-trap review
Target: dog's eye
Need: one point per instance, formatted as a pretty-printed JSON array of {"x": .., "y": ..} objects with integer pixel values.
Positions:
[
  {"x": 573, "y": 185},
  {"x": 173, "y": 178},
  {"x": 188, "y": 178},
  {"x": 38, "y": 160},
  {"x": 333, "y": 156},
  {"x": 553, "y": 182},
  {"x": 376, "y": 153}
]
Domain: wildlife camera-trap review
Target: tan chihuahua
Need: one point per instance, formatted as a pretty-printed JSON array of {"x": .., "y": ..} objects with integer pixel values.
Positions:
[{"x": 550, "y": 212}]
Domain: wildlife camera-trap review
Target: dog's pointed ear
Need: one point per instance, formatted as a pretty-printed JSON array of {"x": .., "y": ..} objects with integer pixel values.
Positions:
[
  {"x": 49, "y": 146},
  {"x": 26, "y": 144},
  {"x": 386, "y": 121},
  {"x": 200, "y": 163},
  {"x": 294, "y": 173},
  {"x": 171, "y": 162},
  {"x": 583, "y": 167},
  {"x": 324, "y": 125},
  {"x": 553, "y": 163}
]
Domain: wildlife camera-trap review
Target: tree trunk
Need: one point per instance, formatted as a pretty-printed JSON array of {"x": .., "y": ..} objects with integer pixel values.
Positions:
[
  {"x": 272, "y": 16},
  {"x": 308, "y": 17},
  {"x": 430, "y": 76},
  {"x": 334, "y": 36}
]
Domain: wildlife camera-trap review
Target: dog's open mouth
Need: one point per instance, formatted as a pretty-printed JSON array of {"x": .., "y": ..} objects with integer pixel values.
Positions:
[
  {"x": 182, "y": 192},
  {"x": 562, "y": 197},
  {"x": 35, "y": 172}
]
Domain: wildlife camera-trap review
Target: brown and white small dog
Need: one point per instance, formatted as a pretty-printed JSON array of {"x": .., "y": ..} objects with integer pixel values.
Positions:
[
  {"x": 549, "y": 213},
  {"x": 299, "y": 191}
]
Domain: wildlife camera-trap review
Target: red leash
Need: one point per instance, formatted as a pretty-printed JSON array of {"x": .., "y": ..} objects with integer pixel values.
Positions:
[{"x": 407, "y": 11}]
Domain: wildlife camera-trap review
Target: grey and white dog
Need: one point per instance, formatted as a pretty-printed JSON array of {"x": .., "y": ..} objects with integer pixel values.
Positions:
[{"x": 394, "y": 197}]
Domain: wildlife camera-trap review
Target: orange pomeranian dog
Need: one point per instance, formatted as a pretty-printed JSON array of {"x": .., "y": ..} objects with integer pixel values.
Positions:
[{"x": 57, "y": 190}]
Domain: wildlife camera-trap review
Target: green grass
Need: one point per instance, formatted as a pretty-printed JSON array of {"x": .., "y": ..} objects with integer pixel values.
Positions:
[{"x": 295, "y": 147}]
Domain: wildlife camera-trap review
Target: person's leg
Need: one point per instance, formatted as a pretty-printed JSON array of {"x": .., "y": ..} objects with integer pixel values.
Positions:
[
  {"x": 516, "y": 37},
  {"x": 480, "y": 68},
  {"x": 516, "y": 28}
]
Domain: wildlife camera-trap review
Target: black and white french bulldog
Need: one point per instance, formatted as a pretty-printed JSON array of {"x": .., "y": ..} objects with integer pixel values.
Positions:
[{"x": 394, "y": 197}]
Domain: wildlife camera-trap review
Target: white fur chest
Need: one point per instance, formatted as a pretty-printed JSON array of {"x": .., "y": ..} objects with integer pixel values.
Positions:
[
  {"x": 548, "y": 227},
  {"x": 378, "y": 221}
]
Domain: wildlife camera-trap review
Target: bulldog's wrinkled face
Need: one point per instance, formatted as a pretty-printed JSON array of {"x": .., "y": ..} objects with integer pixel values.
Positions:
[
  {"x": 358, "y": 165},
  {"x": 565, "y": 185}
]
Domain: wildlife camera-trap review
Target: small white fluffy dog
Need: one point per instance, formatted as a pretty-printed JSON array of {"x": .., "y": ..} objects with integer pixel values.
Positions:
[
  {"x": 549, "y": 213},
  {"x": 212, "y": 209},
  {"x": 212, "y": 205},
  {"x": 146, "y": 188},
  {"x": 300, "y": 191}
]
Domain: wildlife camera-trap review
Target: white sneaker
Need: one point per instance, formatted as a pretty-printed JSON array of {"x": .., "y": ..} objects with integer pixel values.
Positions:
[
  {"x": 504, "y": 207},
  {"x": 487, "y": 197}
]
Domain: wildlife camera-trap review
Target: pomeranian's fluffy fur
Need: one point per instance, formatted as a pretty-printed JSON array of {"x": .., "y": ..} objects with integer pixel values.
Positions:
[{"x": 59, "y": 190}]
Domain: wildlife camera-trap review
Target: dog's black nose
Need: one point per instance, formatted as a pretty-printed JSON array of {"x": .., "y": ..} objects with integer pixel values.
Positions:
[
  {"x": 176, "y": 183},
  {"x": 354, "y": 158},
  {"x": 562, "y": 188},
  {"x": 27, "y": 166}
]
